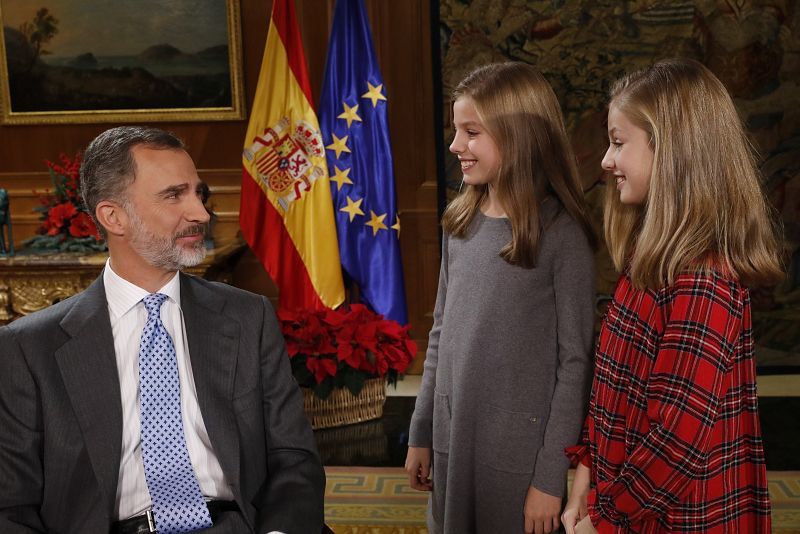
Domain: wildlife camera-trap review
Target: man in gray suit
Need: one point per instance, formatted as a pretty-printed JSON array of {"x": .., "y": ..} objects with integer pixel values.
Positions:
[{"x": 84, "y": 424}]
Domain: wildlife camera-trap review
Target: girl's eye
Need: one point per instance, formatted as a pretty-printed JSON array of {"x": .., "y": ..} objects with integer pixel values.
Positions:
[
  {"x": 472, "y": 133},
  {"x": 616, "y": 144}
]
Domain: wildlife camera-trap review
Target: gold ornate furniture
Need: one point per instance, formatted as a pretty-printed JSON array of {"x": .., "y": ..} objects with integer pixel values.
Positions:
[{"x": 31, "y": 282}]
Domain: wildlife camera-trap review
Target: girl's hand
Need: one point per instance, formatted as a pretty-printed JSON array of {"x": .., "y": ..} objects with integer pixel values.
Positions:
[
  {"x": 585, "y": 526},
  {"x": 576, "y": 508},
  {"x": 541, "y": 512},
  {"x": 418, "y": 467}
]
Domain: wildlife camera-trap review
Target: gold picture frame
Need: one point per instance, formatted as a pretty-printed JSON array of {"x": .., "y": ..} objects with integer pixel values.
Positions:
[{"x": 161, "y": 82}]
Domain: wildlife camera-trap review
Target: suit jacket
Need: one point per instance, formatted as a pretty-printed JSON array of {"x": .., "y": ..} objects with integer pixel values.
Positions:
[{"x": 60, "y": 413}]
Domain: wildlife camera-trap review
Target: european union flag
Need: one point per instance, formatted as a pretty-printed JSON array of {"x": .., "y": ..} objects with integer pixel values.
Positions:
[{"x": 355, "y": 131}]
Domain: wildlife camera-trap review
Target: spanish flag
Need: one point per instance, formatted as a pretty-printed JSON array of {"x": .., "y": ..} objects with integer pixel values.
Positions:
[{"x": 286, "y": 212}]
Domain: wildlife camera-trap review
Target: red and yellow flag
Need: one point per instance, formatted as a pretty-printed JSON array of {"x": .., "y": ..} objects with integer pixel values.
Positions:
[{"x": 286, "y": 212}]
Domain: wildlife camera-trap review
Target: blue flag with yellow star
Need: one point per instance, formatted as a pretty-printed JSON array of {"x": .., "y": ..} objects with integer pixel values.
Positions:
[{"x": 356, "y": 134}]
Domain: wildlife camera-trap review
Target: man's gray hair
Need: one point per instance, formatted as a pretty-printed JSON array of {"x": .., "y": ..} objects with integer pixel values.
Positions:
[{"x": 108, "y": 167}]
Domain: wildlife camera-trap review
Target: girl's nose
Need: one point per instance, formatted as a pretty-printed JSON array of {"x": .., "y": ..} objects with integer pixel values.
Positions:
[
  {"x": 608, "y": 160},
  {"x": 456, "y": 146}
]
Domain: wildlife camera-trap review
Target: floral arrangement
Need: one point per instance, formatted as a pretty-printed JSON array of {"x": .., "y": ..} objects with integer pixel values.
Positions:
[
  {"x": 341, "y": 348},
  {"x": 66, "y": 225}
]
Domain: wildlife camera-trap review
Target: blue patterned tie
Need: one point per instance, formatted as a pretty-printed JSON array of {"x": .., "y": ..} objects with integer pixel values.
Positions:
[{"x": 178, "y": 505}]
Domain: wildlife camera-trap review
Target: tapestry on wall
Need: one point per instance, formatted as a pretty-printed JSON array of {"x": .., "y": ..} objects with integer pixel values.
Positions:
[{"x": 582, "y": 47}]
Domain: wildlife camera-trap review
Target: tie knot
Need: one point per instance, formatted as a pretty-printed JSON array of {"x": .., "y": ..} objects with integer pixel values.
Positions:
[{"x": 152, "y": 304}]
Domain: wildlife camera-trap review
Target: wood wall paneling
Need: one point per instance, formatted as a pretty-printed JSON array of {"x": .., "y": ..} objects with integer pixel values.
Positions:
[{"x": 401, "y": 33}]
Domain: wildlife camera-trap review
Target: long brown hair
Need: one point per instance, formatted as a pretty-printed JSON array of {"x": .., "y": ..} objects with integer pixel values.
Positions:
[
  {"x": 521, "y": 114},
  {"x": 705, "y": 208}
]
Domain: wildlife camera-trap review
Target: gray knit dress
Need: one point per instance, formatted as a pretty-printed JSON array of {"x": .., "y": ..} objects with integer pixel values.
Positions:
[{"x": 506, "y": 376}]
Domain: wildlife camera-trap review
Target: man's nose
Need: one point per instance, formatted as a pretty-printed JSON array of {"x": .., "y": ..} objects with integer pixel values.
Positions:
[{"x": 197, "y": 212}]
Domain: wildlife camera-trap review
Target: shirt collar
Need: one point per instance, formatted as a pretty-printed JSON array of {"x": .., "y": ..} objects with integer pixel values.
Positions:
[{"x": 122, "y": 295}]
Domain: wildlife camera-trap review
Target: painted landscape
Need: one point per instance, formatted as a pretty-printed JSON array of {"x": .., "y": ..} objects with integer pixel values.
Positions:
[{"x": 44, "y": 76}]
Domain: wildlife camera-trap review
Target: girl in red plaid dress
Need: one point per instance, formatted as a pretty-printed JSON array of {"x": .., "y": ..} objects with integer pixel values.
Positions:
[{"x": 672, "y": 440}]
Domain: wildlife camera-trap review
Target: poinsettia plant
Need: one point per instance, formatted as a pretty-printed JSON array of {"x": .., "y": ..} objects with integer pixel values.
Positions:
[
  {"x": 66, "y": 225},
  {"x": 341, "y": 348}
]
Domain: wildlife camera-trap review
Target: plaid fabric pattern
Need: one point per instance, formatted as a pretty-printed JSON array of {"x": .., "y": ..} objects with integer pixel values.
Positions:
[{"x": 672, "y": 436}]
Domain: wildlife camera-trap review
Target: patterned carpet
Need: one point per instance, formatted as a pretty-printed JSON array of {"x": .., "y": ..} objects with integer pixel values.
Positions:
[
  {"x": 378, "y": 500},
  {"x": 373, "y": 500},
  {"x": 784, "y": 490}
]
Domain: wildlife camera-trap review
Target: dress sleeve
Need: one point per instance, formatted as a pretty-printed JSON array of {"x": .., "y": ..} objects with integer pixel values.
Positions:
[
  {"x": 421, "y": 429},
  {"x": 581, "y": 453},
  {"x": 684, "y": 392},
  {"x": 573, "y": 287}
]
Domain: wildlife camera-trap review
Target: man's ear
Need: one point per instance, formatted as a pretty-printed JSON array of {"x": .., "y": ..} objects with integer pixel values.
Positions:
[{"x": 112, "y": 217}]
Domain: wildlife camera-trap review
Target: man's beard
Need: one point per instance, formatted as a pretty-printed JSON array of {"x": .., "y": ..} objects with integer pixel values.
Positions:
[{"x": 164, "y": 252}]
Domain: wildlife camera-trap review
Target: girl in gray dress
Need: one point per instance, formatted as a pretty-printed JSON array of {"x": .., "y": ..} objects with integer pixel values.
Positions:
[{"x": 505, "y": 382}]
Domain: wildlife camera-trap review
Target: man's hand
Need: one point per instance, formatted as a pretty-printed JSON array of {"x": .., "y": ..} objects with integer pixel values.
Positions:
[
  {"x": 585, "y": 526},
  {"x": 418, "y": 468},
  {"x": 576, "y": 508},
  {"x": 541, "y": 512}
]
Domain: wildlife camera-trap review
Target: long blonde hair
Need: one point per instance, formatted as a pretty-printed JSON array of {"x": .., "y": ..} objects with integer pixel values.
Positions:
[
  {"x": 521, "y": 114},
  {"x": 705, "y": 208}
]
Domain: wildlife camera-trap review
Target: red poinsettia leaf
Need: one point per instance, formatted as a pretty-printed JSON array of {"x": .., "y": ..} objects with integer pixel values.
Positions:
[
  {"x": 345, "y": 335},
  {"x": 321, "y": 368},
  {"x": 358, "y": 308},
  {"x": 367, "y": 336},
  {"x": 392, "y": 329},
  {"x": 397, "y": 359},
  {"x": 355, "y": 357},
  {"x": 292, "y": 348},
  {"x": 359, "y": 314},
  {"x": 82, "y": 226},
  {"x": 344, "y": 351},
  {"x": 381, "y": 365},
  {"x": 59, "y": 214},
  {"x": 411, "y": 348},
  {"x": 333, "y": 318},
  {"x": 327, "y": 346},
  {"x": 329, "y": 365}
]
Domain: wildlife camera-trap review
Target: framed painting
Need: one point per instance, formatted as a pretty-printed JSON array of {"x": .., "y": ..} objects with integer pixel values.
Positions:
[{"x": 91, "y": 61}]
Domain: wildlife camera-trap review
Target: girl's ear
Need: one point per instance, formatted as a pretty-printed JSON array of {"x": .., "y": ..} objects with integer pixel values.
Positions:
[{"x": 113, "y": 218}]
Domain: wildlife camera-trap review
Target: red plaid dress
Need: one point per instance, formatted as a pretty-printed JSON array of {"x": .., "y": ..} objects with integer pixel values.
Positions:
[{"x": 673, "y": 438}]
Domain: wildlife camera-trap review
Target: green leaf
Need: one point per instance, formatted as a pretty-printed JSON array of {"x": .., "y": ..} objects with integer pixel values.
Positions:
[
  {"x": 391, "y": 377},
  {"x": 53, "y": 178},
  {"x": 43, "y": 242},
  {"x": 57, "y": 243},
  {"x": 355, "y": 382},
  {"x": 324, "y": 389},
  {"x": 301, "y": 372}
]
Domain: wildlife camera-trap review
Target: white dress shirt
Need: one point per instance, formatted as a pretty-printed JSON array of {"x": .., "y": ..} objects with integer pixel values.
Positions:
[{"x": 128, "y": 317}]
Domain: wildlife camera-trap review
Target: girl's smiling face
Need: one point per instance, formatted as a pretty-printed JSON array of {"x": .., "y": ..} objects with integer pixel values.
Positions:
[
  {"x": 476, "y": 150},
  {"x": 629, "y": 157}
]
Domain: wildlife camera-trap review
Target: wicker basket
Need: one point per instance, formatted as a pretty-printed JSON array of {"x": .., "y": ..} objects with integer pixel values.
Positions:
[{"x": 343, "y": 408}]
